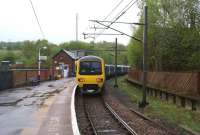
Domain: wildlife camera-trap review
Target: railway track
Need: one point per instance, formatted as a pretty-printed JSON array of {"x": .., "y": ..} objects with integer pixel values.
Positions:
[
  {"x": 143, "y": 125},
  {"x": 167, "y": 131},
  {"x": 151, "y": 121},
  {"x": 102, "y": 119}
]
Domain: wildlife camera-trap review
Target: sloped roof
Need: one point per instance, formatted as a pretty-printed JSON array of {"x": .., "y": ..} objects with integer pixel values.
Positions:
[{"x": 71, "y": 54}]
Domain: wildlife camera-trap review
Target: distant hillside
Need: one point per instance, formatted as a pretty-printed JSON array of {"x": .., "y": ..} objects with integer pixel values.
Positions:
[{"x": 27, "y": 51}]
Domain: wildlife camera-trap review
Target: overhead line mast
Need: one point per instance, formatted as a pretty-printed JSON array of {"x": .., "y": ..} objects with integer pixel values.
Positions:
[{"x": 143, "y": 102}]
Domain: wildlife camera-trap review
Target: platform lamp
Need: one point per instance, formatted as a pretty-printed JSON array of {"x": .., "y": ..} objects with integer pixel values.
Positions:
[{"x": 39, "y": 61}]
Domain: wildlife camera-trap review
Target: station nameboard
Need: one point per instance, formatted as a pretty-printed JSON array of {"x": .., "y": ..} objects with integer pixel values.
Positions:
[{"x": 43, "y": 57}]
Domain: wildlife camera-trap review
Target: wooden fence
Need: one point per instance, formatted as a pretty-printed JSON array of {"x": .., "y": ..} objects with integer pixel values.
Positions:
[
  {"x": 187, "y": 84},
  {"x": 183, "y": 87}
]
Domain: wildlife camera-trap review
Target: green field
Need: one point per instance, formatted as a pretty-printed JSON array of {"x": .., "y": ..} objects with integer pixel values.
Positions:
[
  {"x": 6, "y": 51},
  {"x": 162, "y": 109},
  {"x": 10, "y": 54}
]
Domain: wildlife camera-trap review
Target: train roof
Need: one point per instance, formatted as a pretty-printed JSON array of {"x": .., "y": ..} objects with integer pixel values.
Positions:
[{"x": 90, "y": 58}]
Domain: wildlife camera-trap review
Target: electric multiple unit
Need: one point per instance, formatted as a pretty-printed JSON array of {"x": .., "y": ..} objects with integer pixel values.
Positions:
[{"x": 91, "y": 73}]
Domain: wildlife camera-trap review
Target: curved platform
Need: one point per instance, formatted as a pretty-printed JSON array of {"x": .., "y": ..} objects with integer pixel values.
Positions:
[{"x": 60, "y": 117}]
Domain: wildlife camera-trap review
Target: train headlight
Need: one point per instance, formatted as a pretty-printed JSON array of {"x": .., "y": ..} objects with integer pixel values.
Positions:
[
  {"x": 99, "y": 80},
  {"x": 81, "y": 79}
]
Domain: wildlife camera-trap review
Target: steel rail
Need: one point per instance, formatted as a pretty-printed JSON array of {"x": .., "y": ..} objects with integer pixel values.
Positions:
[
  {"x": 131, "y": 131},
  {"x": 150, "y": 120},
  {"x": 141, "y": 115},
  {"x": 89, "y": 118}
]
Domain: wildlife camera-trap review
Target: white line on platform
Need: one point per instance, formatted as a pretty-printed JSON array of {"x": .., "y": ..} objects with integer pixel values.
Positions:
[{"x": 73, "y": 114}]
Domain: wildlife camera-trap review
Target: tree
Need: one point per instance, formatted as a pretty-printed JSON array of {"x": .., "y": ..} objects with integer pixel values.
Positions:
[
  {"x": 173, "y": 36},
  {"x": 9, "y": 56}
]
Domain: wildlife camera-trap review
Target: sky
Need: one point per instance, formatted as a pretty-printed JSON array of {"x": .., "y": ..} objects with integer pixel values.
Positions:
[{"x": 58, "y": 19}]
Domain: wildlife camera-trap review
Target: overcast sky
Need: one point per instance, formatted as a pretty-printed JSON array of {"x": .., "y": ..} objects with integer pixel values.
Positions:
[{"x": 58, "y": 19}]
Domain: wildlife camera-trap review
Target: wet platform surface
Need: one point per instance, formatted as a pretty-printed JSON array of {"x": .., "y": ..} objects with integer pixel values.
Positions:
[{"x": 37, "y": 110}]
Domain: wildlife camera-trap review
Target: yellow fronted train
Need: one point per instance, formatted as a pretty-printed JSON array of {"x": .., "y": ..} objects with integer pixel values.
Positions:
[{"x": 90, "y": 74}]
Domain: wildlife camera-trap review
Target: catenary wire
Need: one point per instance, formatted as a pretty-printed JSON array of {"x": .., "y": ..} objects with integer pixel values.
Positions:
[
  {"x": 120, "y": 14},
  {"x": 37, "y": 19},
  {"x": 111, "y": 12}
]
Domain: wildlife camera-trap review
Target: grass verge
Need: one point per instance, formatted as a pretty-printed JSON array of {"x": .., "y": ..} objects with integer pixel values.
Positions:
[{"x": 161, "y": 109}]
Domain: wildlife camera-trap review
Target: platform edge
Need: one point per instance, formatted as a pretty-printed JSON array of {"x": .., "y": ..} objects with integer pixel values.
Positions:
[{"x": 73, "y": 114}]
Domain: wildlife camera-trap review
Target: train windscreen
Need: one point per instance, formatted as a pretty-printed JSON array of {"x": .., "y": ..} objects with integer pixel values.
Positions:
[{"x": 90, "y": 68}]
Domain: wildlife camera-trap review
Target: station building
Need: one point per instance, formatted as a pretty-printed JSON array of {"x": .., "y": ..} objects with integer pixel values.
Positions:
[{"x": 63, "y": 63}]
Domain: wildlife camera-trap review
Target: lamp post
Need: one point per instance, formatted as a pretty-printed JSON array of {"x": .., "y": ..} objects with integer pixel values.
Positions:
[{"x": 39, "y": 61}]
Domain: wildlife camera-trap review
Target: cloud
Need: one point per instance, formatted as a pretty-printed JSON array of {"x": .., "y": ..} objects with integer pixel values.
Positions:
[{"x": 57, "y": 18}]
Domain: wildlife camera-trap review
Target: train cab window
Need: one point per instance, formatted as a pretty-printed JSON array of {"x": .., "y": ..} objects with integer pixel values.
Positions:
[{"x": 90, "y": 68}]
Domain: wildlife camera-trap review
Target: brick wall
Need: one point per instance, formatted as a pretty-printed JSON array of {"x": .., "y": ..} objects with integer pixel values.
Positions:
[
  {"x": 62, "y": 57},
  {"x": 20, "y": 77}
]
